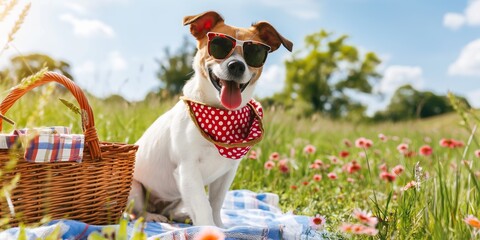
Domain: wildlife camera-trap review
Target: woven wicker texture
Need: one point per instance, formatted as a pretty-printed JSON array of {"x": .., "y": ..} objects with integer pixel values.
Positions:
[{"x": 94, "y": 191}]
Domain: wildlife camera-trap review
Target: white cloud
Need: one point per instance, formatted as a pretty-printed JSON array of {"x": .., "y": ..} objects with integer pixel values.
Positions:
[
  {"x": 471, "y": 16},
  {"x": 396, "y": 76},
  {"x": 472, "y": 13},
  {"x": 85, "y": 68},
  {"x": 303, "y": 9},
  {"x": 468, "y": 63},
  {"x": 88, "y": 27},
  {"x": 473, "y": 98},
  {"x": 454, "y": 20},
  {"x": 76, "y": 7},
  {"x": 117, "y": 62},
  {"x": 271, "y": 81}
]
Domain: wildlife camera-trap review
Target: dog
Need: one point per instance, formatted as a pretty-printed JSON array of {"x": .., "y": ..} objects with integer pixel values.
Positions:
[{"x": 200, "y": 141}]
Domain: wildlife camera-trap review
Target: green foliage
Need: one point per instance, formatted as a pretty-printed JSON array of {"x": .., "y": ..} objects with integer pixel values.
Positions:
[
  {"x": 22, "y": 66},
  {"x": 174, "y": 70},
  {"x": 319, "y": 77},
  {"x": 408, "y": 103}
]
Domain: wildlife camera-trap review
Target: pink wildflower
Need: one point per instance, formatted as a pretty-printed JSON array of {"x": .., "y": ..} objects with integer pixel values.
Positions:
[
  {"x": 347, "y": 143},
  {"x": 383, "y": 167},
  {"x": 332, "y": 176},
  {"x": 360, "y": 142},
  {"x": 275, "y": 156},
  {"x": 269, "y": 165},
  {"x": 317, "y": 222},
  {"x": 402, "y": 147},
  {"x": 398, "y": 169},
  {"x": 382, "y": 137},
  {"x": 317, "y": 177},
  {"x": 309, "y": 149},
  {"x": 365, "y": 217},
  {"x": 409, "y": 185},
  {"x": 253, "y": 155},
  {"x": 350, "y": 180},
  {"x": 477, "y": 153},
  {"x": 334, "y": 160}
]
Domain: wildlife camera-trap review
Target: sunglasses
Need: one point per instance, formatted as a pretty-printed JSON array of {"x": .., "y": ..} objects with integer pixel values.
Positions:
[{"x": 221, "y": 46}]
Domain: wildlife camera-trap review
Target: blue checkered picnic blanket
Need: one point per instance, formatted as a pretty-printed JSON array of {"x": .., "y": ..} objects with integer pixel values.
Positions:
[{"x": 246, "y": 215}]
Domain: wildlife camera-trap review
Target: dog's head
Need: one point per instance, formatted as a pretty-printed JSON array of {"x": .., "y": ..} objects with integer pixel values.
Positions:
[{"x": 229, "y": 59}]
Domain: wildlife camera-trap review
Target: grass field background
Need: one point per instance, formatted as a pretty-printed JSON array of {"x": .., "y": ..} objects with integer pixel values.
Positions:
[{"x": 436, "y": 209}]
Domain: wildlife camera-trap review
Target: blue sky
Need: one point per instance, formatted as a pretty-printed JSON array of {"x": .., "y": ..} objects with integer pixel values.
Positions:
[{"x": 112, "y": 44}]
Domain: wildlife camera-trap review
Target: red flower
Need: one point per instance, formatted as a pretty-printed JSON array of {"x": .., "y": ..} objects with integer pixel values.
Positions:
[
  {"x": 387, "y": 176},
  {"x": 451, "y": 143},
  {"x": 293, "y": 187},
  {"x": 282, "y": 166},
  {"x": 344, "y": 154},
  {"x": 317, "y": 177},
  {"x": 352, "y": 167},
  {"x": 347, "y": 143},
  {"x": 425, "y": 150}
]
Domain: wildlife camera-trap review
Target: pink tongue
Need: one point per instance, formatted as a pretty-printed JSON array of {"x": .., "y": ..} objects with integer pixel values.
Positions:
[{"x": 230, "y": 95}]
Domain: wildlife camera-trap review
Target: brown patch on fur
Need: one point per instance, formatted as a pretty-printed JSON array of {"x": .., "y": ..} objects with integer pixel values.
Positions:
[
  {"x": 271, "y": 37},
  {"x": 211, "y": 21}
]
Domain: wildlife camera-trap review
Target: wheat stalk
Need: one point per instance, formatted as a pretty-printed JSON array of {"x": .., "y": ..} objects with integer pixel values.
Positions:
[
  {"x": 7, "y": 9},
  {"x": 16, "y": 27},
  {"x": 27, "y": 81}
]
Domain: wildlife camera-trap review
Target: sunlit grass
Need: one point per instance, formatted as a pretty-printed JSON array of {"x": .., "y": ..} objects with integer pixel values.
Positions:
[{"x": 435, "y": 211}]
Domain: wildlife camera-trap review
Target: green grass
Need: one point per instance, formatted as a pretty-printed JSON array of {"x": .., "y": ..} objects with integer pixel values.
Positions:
[{"x": 435, "y": 211}]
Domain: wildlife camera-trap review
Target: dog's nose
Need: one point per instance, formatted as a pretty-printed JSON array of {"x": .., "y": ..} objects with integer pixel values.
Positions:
[{"x": 236, "y": 68}]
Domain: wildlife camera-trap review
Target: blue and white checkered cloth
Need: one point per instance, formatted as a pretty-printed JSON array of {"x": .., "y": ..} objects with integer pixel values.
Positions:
[{"x": 246, "y": 215}]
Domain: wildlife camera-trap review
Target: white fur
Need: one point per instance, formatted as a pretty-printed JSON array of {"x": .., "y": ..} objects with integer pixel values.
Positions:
[{"x": 175, "y": 162}]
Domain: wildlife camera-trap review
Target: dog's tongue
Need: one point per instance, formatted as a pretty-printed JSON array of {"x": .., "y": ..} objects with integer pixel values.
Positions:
[{"x": 230, "y": 95}]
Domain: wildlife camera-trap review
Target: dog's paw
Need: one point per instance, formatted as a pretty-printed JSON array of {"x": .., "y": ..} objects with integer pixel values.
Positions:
[{"x": 152, "y": 217}]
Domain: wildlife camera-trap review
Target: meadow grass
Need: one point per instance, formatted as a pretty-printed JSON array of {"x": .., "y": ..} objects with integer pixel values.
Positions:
[{"x": 447, "y": 191}]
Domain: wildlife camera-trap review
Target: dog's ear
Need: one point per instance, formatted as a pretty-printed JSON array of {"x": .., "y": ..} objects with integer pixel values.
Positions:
[
  {"x": 202, "y": 23},
  {"x": 271, "y": 37}
]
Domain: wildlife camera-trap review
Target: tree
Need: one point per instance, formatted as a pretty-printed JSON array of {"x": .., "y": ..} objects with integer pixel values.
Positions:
[
  {"x": 174, "y": 70},
  {"x": 321, "y": 76},
  {"x": 407, "y": 103},
  {"x": 25, "y": 65}
]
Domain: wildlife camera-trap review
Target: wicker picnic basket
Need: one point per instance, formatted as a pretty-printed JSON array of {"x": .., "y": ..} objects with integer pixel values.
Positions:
[{"x": 94, "y": 191}]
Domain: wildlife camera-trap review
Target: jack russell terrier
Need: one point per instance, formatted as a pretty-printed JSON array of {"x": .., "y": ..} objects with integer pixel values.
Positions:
[{"x": 200, "y": 141}]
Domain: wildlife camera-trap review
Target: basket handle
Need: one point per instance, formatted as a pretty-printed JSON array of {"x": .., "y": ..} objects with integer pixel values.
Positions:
[{"x": 88, "y": 123}]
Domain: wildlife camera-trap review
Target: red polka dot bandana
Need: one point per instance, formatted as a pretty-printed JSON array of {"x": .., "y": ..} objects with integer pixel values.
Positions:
[{"x": 232, "y": 132}]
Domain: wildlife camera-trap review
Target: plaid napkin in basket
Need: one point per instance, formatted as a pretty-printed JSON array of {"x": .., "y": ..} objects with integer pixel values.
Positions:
[{"x": 47, "y": 144}]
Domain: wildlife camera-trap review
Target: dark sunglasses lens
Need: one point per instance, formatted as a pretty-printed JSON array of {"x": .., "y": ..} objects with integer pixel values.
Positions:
[
  {"x": 255, "y": 54},
  {"x": 220, "y": 47}
]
